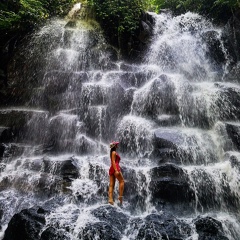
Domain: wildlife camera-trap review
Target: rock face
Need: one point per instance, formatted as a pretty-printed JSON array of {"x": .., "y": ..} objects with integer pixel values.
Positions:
[
  {"x": 170, "y": 183},
  {"x": 111, "y": 224},
  {"x": 234, "y": 134},
  {"x": 209, "y": 228},
  {"x": 26, "y": 225},
  {"x": 53, "y": 233},
  {"x": 162, "y": 227},
  {"x": 176, "y": 120}
]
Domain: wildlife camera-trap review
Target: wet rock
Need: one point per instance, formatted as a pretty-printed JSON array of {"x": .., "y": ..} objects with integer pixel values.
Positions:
[
  {"x": 136, "y": 78},
  {"x": 14, "y": 117},
  {"x": 135, "y": 135},
  {"x": 116, "y": 106},
  {"x": 67, "y": 169},
  {"x": 84, "y": 145},
  {"x": 62, "y": 131},
  {"x": 97, "y": 101},
  {"x": 51, "y": 176},
  {"x": 156, "y": 226},
  {"x": 6, "y": 134},
  {"x": 128, "y": 67},
  {"x": 57, "y": 175},
  {"x": 94, "y": 94},
  {"x": 71, "y": 24},
  {"x": 99, "y": 230},
  {"x": 183, "y": 146},
  {"x": 12, "y": 150},
  {"x": 23, "y": 121},
  {"x": 231, "y": 38},
  {"x": 168, "y": 120},
  {"x": 146, "y": 31},
  {"x": 2, "y": 150},
  {"x": 1, "y": 214},
  {"x": 170, "y": 183},
  {"x": 60, "y": 81},
  {"x": 209, "y": 229},
  {"x": 26, "y": 225},
  {"x": 233, "y": 74},
  {"x": 235, "y": 163},
  {"x": 214, "y": 45},
  {"x": 206, "y": 195},
  {"x": 228, "y": 101},
  {"x": 97, "y": 173},
  {"x": 53, "y": 233},
  {"x": 233, "y": 131},
  {"x": 110, "y": 215},
  {"x": 158, "y": 97},
  {"x": 96, "y": 121}
]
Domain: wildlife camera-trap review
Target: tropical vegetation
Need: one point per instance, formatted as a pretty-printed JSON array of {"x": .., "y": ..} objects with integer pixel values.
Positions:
[
  {"x": 118, "y": 17},
  {"x": 25, "y": 14}
]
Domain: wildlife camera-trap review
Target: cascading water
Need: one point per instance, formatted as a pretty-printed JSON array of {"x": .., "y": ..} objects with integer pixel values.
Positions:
[{"x": 175, "y": 118}]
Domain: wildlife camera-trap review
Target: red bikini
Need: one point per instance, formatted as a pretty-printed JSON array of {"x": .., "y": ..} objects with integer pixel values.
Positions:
[{"x": 117, "y": 160}]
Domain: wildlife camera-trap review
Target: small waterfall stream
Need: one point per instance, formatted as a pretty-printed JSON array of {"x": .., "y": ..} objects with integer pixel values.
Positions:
[{"x": 177, "y": 121}]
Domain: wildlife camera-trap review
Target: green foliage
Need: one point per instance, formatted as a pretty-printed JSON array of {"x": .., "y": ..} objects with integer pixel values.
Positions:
[
  {"x": 217, "y": 9},
  {"x": 229, "y": 3},
  {"x": 121, "y": 15},
  {"x": 18, "y": 15}
]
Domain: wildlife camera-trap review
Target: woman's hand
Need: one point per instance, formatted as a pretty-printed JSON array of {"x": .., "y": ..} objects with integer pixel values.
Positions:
[{"x": 116, "y": 173}]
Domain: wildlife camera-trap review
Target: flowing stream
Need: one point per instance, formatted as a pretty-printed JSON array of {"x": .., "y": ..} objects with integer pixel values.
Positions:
[{"x": 175, "y": 115}]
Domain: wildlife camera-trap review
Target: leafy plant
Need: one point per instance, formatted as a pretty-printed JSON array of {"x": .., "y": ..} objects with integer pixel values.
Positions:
[
  {"x": 122, "y": 15},
  {"x": 216, "y": 9},
  {"x": 18, "y": 15}
]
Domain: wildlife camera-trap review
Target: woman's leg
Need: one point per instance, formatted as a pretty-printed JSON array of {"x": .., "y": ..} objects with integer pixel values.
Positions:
[
  {"x": 111, "y": 189},
  {"x": 121, "y": 186}
]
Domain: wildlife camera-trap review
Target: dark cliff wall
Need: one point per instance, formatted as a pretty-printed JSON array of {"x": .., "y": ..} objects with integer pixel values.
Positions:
[{"x": 131, "y": 47}]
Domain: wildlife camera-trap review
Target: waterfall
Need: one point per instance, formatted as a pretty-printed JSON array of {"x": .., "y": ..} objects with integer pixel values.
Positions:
[{"x": 175, "y": 117}]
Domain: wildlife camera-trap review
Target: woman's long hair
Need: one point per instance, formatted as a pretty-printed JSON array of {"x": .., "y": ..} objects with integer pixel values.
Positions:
[{"x": 112, "y": 150}]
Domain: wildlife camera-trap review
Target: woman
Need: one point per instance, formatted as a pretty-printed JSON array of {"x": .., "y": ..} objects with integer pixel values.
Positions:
[{"x": 115, "y": 172}]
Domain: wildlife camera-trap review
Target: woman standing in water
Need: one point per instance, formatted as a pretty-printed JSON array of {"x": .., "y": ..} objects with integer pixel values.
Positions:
[{"x": 115, "y": 172}]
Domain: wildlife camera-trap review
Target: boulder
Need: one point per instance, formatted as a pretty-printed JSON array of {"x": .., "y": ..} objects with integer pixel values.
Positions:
[
  {"x": 2, "y": 150},
  {"x": 53, "y": 233},
  {"x": 110, "y": 215},
  {"x": 23, "y": 121},
  {"x": 183, "y": 146},
  {"x": 231, "y": 38},
  {"x": 167, "y": 120},
  {"x": 160, "y": 226},
  {"x": 156, "y": 97},
  {"x": 26, "y": 225},
  {"x": 84, "y": 145},
  {"x": 228, "y": 101},
  {"x": 13, "y": 150},
  {"x": 215, "y": 49},
  {"x": 96, "y": 121},
  {"x": 233, "y": 130},
  {"x": 67, "y": 169},
  {"x": 6, "y": 134},
  {"x": 209, "y": 228},
  {"x": 205, "y": 190},
  {"x": 59, "y": 82},
  {"x": 170, "y": 183},
  {"x": 135, "y": 135},
  {"x": 99, "y": 230},
  {"x": 61, "y": 132},
  {"x": 137, "y": 78},
  {"x": 51, "y": 176}
]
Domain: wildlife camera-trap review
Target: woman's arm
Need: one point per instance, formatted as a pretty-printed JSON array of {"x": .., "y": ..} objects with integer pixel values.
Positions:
[{"x": 113, "y": 158}]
